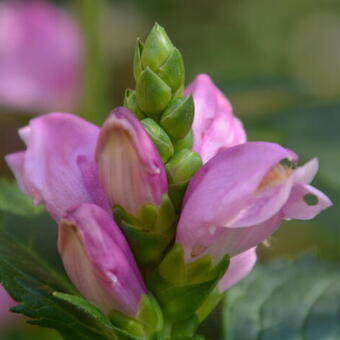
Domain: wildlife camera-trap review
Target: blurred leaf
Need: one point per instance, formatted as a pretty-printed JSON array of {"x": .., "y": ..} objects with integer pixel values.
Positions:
[
  {"x": 286, "y": 300},
  {"x": 13, "y": 201},
  {"x": 28, "y": 224}
]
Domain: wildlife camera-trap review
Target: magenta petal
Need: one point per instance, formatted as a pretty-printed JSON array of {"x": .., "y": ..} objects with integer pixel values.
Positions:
[
  {"x": 130, "y": 169},
  {"x": 98, "y": 260},
  {"x": 299, "y": 206},
  {"x": 240, "y": 266},
  {"x": 52, "y": 168},
  {"x": 215, "y": 127},
  {"x": 307, "y": 172}
]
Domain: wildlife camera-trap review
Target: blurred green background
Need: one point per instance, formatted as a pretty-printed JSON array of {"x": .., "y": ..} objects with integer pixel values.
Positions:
[{"x": 277, "y": 61}]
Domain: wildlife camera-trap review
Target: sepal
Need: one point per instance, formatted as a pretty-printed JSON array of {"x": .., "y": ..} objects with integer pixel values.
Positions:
[
  {"x": 160, "y": 138},
  {"x": 182, "y": 166},
  {"x": 178, "y": 117},
  {"x": 157, "y": 48},
  {"x": 172, "y": 71},
  {"x": 130, "y": 102},
  {"x": 182, "y": 287},
  {"x": 137, "y": 61},
  {"x": 148, "y": 322},
  {"x": 150, "y": 232},
  {"x": 153, "y": 94},
  {"x": 185, "y": 143}
]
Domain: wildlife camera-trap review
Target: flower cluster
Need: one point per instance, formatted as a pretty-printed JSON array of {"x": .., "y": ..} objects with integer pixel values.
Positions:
[{"x": 167, "y": 199}]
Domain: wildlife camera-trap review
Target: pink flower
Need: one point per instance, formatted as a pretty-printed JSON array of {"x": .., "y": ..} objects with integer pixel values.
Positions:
[
  {"x": 215, "y": 127},
  {"x": 140, "y": 173},
  {"x": 240, "y": 197},
  {"x": 98, "y": 260},
  {"x": 40, "y": 56},
  {"x": 59, "y": 170}
]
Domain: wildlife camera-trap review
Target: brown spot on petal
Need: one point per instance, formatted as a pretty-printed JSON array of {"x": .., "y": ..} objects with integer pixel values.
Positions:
[
  {"x": 198, "y": 250},
  {"x": 275, "y": 175}
]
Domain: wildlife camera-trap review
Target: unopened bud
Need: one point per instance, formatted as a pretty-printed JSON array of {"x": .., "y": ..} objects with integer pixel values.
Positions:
[
  {"x": 130, "y": 102},
  {"x": 160, "y": 138},
  {"x": 172, "y": 71},
  {"x": 157, "y": 48},
  {"x": 137, "y": 62},
  {"x": 185, "y": 143},
  {"x": 178, "y": 117},
  {"x": 153, "y": 94},
  {"x": 182, "y": 166}
]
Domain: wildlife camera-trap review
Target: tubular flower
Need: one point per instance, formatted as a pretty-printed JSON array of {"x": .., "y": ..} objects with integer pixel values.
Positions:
[
  {"x": 215, "y": 128},
  {"x": 40, "y": 56},
  {"x": 240, "y": 197},
  {"x": 140, "y": 177},
  {"x": 98, "y": 260}
]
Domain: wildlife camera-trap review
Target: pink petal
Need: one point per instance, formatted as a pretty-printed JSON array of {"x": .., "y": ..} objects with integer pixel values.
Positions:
[
  {"x": 98, "y": 260},
  {"x": 51, "y": 168},
  {"x": 130, "y": 168},
  {"x": 40, "y": 56},
  {"x": 234, "y": 241},
  {"x": 240, "y": 266},
  {"x": 307, "y": 172},
  {"x": 215, "y": 128},
  {"x": 298, "y": 207}
]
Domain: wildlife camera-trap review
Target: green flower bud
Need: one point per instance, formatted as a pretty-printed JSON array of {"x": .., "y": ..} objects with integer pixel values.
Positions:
[
  {"x": 153, "y": 94},
  {"x": 182, "y": 166},
  {"x": 185, "y": 143},
  {"x": 132, "y": 327},
  {"x": 178, "y": 117},
  {"x": 172, "y": 71},
  {"x": 157, "y": 48},
  {"x": 137, "y": 62},
  {"x": 130, "y": 102},
  {"x": 148, "y": 321},
  {"x": 160, "y": 138}
]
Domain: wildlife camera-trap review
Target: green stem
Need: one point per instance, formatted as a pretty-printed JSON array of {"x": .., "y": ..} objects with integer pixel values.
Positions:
[{"x": 95, "y": 101}]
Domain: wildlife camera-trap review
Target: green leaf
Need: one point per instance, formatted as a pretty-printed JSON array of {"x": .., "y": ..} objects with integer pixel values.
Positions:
[
  {"x": 285, "y": 300},
  {"x": 29, "y": 225},
  {"x": 13, "y": 201}
]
